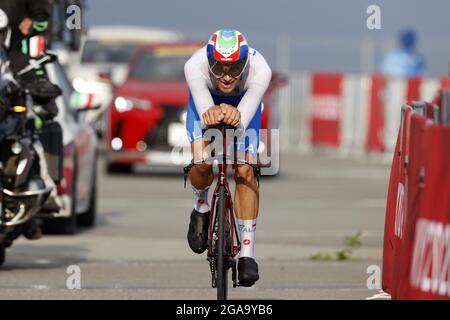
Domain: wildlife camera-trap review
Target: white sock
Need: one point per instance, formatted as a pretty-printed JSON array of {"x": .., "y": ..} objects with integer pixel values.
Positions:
[
  {"x": 201, "y": 200},
  {"x": 247, "y": 229}
]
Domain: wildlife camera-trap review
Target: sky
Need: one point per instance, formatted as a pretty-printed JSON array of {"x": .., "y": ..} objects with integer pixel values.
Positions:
[{"x": 301, "y": 35}]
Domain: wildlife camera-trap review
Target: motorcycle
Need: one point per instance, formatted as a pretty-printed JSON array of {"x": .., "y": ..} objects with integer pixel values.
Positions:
[{"x": 22, "y": 190}]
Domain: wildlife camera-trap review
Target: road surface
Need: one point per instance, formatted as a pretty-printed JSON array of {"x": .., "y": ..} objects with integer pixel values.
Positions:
[{"x": 138, "y": 249}]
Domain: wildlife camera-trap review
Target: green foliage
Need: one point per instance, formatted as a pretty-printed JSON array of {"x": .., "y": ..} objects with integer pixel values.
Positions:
[
  {"x": 319, "y": 256},
  {"x": 351, "y": 242},
  {"x": 354, "y": 241}
]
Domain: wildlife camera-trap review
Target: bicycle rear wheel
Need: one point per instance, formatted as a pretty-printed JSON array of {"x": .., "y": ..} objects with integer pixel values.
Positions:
[{"x": 222, "y": 270}]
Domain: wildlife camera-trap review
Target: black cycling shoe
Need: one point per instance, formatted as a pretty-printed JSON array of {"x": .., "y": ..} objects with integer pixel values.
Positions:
[
  {"x": 32, "y": 229},
  {"x": 198, "y": 231},
  {"x": 247, "y": 271}
]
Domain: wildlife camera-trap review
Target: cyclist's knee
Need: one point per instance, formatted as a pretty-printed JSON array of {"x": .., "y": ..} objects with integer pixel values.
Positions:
[
  {"x": 243, "y": 172},
  {"x": 201, "y": 176},
  {"x": 202, "y": 169}
]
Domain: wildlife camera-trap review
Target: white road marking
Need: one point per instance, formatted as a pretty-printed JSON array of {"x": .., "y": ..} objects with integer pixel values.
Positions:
[
  {"x": 42, "y": 261},
  {"x": 41, "y": 287},
  {"x": 381, "y": 295}
]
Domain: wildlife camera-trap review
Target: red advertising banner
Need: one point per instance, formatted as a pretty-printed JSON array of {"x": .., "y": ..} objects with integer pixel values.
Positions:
[
  {"x": 413, "y": 88},
  {"x": 326, "y": 108},
  {"x": 445, "y": 82},
  {"x": 429, "y": 272},
  {"x": 375, "y": 130}
]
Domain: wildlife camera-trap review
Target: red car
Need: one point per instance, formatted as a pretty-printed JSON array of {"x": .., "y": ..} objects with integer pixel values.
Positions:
[{"x": 146, "y": 118}]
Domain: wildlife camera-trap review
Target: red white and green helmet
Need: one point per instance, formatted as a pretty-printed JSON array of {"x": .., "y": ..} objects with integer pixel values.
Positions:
[{"x": 227, "y": 47}]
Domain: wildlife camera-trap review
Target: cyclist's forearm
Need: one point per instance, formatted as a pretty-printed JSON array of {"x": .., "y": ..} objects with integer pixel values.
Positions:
[
  {"x": 201, "y": 96},
  {"x": 249, "y": 104}
]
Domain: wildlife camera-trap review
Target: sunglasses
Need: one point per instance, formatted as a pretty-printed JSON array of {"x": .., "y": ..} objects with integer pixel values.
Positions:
[{"x": 234, "y": 70}]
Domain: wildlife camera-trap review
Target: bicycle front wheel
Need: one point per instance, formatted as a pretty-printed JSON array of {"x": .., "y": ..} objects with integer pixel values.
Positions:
[{"x": 222, "y": 270}]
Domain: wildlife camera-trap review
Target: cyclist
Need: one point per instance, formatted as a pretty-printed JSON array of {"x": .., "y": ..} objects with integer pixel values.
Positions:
[{"x": 227, "y": 80}]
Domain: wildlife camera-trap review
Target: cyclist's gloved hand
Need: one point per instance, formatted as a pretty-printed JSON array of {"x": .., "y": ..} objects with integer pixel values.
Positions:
[
  {"x": 213, "y": 116},
  {"x": 232, "y": 116}
]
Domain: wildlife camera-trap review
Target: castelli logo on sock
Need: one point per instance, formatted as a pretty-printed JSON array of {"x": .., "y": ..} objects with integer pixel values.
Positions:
[
  {"x": 201, "y": 201},
  {"x": 246, "y": 242}
]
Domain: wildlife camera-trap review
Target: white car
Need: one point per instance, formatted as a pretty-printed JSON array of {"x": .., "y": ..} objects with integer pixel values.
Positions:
[{"x": 77, "y": 189}]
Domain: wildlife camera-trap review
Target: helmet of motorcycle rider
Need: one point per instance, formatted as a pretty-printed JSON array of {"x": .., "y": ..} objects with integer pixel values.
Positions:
[
  {"x": 5, "y": 30},
  {"x": 227, "y": 48}
]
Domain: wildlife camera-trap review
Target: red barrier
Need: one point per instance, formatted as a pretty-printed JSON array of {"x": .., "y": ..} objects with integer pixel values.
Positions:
[
  {"x": 375, "y": 130},
  {"x": 388, "y": 243},
  {"x": 416, "y": 256},
  {"x": 442, "y": 99},
  {"x": 445, "y": 82},
  {"x": 395, "y": 206},
  {"x": 326, "y": 104},
  {"x": 430, "y": 263},
  {"x": 413, "y": 184},
  {"x": 413, "y": 89},
  {"x": 401, "y": 204},
  {"x": 432, "y": 111}
]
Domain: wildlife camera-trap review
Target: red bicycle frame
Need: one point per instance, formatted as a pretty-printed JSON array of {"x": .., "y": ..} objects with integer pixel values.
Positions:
[{"x": 222, "y": 182}]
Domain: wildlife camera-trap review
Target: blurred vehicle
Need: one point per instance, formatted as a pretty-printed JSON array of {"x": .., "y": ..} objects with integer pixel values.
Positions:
[
  {"x": 105, "y": 52},
  {"x": 146, "y": 119},
  {"x": 77, "y": 189}
]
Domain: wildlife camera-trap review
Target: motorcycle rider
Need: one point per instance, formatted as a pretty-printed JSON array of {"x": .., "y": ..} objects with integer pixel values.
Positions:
[
  {"x": 6, "y": 75},
  {"x": 28, "y": 20},
  {"x": 25, "y": 40}
]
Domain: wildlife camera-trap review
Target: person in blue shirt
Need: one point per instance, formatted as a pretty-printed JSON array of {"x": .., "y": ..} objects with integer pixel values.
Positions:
[{"x": 404, "y": 61}]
